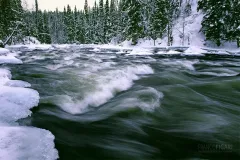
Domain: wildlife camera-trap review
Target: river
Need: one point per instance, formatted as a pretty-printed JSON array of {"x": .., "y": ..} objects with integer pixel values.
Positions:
[{"x": 100, "y": 104}]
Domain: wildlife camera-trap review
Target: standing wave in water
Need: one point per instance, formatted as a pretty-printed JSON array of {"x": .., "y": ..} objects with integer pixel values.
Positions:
[{"x": 144, "y": 107}]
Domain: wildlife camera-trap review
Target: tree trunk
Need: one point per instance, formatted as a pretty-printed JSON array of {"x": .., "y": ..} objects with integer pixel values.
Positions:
[
  {"x": 1, "y": 44},
  {"x": 168, "y": 33},
  {"x": 238, "y": 42},
  {"x": 183, "y": 31}
]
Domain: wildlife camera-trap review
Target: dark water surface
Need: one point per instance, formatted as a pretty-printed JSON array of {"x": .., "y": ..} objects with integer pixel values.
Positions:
[{"x": 107, "y": 106}]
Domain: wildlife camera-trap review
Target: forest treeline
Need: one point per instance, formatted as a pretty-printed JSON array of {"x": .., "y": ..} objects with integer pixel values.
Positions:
[{"x": 116, "y": 20}]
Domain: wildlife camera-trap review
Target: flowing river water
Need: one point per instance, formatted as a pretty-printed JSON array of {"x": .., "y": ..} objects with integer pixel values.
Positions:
[{"x": 103, "y": 105}]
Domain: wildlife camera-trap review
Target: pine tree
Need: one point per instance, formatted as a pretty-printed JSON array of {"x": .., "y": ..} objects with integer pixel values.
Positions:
[
  {"x": 220, "y": 21},
  {"x": 101, "y": 22},
  {"x": 135, "y": 27},
  {"x": 70, "y": 24},
  {"x": 12, "y": 24},
  {"x": 107, "y": 22},
  {"x": 172, "y": 9},
  {"x": 46, "y": 33},
  {"x": 213, "y": 25},
  {"x": 158, "y": 20}
]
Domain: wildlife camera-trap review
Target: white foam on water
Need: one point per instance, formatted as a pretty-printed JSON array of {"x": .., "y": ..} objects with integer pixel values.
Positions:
[
  {"x": 181, "y": 63},
  {"x": 22, "y": 143},
  {"x": 106, "y": 87},
  {"x": 148, "y": 100},
  {"x": 218, "y": 72},
  {"x": 141, "y": 51}
]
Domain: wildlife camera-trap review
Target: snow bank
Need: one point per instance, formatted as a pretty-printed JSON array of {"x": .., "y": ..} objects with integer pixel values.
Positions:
[
  {"x": 4, "y": 51},
  {"x": 30, "y": 40},
  {"x": 15, "y": 103},
  {"x": 9, "y": 59},
  {"x": 19, "y": 143},
  {"x": 32, "y": 47},
  {"x": 194, "y": 51},
  {"x": 5, "y": 76}
]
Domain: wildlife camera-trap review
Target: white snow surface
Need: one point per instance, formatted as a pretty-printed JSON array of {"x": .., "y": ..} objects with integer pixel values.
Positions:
[
  {"x": 26, "y": 143},
  {"x": 18, "y": 142},
  {"x": 4, "y": 51},
  {"x": 7, "y": 57}
]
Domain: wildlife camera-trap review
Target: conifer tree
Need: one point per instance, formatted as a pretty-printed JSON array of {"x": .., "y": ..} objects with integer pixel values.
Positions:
[
  {"x": 101, "y": 22},
  {"x": 158, "y": 20},
  {"x": 135, "y": 27},
  {"x": 107, "y": 22}
]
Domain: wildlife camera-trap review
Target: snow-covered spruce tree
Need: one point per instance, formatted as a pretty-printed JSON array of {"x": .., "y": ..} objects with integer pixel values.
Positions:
[
  {"x": 40, "y": 27},
  {"x": 158, "y": 19},
  {"x": 86, "y": 23},
  {"x": 46, "y": 33},
  {"x": 80, "y": 28},
  {"x": 233, "y": 19},
  {"x": 101, "y": 22},
  {"x": 95, "y": 23},
  {"x": 213, "y": 25},
  {"x": 173, "y": 12},
  {"x": 236, "y": 22},
  {"x": 70, "y": 24},
  {"x": 76, "y": 24},
  {"x": 220, "y": 22},
  {"x": 122, "y": 19},
  {"x": 12, "y": 24},
  {"x": 135, "y": 27},
  {"x": 107, "y": 22},
  {"x": 114, "y": 21},
  {"x": 1, "y": 22}
]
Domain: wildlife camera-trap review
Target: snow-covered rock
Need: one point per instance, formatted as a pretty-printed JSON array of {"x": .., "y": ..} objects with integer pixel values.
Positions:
[{"x": 22, "y": 143}]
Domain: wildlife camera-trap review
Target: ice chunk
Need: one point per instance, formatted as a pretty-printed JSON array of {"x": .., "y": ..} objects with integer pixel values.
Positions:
[
  {"x": 22, "y": 143},
  {"x": 16, "y": 103},
  {"x": 5, "y": 76}
]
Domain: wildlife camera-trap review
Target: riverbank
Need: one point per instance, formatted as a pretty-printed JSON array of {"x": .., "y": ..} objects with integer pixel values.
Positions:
[{"x": 16, "y": 101}]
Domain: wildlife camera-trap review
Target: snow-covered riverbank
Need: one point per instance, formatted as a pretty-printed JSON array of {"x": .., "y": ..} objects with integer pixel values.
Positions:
[{"x": 16, "y": 100}]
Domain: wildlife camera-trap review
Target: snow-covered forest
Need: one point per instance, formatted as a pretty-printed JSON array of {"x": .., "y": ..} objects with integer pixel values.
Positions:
[{"x": 118, "y": 20}]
